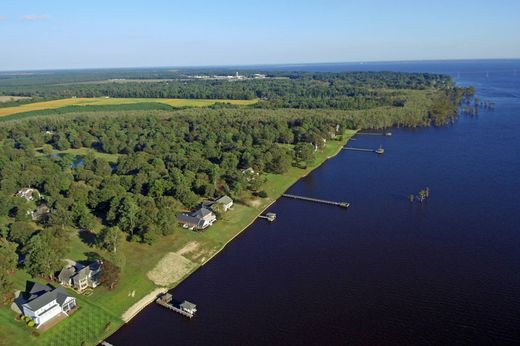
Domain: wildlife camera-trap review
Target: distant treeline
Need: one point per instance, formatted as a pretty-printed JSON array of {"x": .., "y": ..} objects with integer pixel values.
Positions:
[{"x": 305, "y": 90}]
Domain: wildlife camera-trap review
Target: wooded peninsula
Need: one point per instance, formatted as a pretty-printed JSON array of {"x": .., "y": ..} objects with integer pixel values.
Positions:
[{"x": 103, "y": 174}]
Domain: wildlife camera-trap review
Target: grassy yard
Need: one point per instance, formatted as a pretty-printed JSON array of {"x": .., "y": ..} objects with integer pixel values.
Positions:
[
  {"x": 103, "y": 306},
  {"x": 115, "y": 101}
]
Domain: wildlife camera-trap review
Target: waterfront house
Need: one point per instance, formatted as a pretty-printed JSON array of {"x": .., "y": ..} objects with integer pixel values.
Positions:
[
  {"x": 199, "y": 219},
  {"x": 43, "y": 303},
  {"x": 81, "y": 277}
]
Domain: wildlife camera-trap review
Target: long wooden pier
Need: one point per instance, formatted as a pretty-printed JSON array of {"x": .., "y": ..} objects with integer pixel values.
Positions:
[
  {"x": 323, "y": 201},
  {"x": 377, "y": 151},
  {"x": 375, "y": 133}
]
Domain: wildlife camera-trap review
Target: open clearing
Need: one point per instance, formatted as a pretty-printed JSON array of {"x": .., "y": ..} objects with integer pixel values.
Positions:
[
  {"x": 116, "y": 101},
  {"x": 170, "y": 269},
  {"x": 12, "y": 98}
]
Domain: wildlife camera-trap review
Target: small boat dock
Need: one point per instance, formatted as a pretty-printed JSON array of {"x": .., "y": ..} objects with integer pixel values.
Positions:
[
  {"x": 269, "y": 217},
  {"x": 186, "y": 308},
  {"x": 323, "y": 201}
]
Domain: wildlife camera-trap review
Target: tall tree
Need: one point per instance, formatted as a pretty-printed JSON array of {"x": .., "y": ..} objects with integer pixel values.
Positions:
[
  {"x": 44, "y": 254},
  {"x": 110, "y": 238}
]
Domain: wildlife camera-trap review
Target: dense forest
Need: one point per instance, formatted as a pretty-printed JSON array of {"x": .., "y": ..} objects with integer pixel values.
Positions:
[
  {"x": 127, "y": 172},
  {"x": 357, "y": 90}
]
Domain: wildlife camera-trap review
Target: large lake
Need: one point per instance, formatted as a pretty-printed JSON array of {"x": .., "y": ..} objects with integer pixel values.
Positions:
[{"x": 384, "y": 271}]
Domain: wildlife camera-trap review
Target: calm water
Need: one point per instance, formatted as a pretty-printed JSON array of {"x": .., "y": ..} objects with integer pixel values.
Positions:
[{"x": 384, "y": 271}]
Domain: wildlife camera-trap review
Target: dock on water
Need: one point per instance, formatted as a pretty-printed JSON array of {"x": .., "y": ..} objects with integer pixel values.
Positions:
[
  {"x": 186, "y": 308},
  {"x": 379, "y": 150},
  {"x": 323, "y": 201},
  {"x": 388, "y": 134},
  {"x": 269, "y": 217}
]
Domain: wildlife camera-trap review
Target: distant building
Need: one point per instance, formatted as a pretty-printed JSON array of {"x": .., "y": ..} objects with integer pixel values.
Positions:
[
  {"x": 81, "y": 277},
  {"x": 43, "y": 303},
  {"x": 200, "y": 219},
  {"x": 28, "y": 193}
]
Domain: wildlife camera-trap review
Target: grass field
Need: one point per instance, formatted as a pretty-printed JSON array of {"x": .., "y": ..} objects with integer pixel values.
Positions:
[
  {"x": 115, "y": 101},
  {"x": 103, "y": 306}
]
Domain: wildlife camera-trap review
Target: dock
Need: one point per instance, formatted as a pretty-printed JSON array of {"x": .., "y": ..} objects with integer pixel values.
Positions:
[
  {"x": 269, "y": 217},
  {"x": 186, "y": 309},
  {"x": 323, "y": 201},
  {"x": 379, "y": 150},
  {"x": 388, "y": 134}
]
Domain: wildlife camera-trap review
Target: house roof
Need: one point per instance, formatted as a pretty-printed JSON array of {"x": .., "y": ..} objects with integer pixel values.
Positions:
[
  {"x": 59, "y": 295},
  {"x": 187, "y": 219},
  {"x": 201, "y": 212},
  {"x": 34, "y": 289},
  {"x": 66, "y": 273},
  {"x": 82, "y": 274},
  {"x": 224, "y": 200},
  {"x": 188, "y": 305}
]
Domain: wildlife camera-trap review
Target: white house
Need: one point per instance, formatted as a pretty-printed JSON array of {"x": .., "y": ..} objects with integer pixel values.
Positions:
[{"x": 44, "y": 303}]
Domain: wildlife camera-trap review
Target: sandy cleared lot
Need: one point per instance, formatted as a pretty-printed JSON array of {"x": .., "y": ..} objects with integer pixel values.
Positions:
[{"x": 170, "y": 269}]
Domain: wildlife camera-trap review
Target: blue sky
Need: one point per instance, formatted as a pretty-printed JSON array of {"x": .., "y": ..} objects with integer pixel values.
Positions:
[{"x": 42, "y": 34}]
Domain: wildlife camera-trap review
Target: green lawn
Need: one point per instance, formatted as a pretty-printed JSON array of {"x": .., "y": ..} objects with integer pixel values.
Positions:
[{"x": 88, "y": 323}]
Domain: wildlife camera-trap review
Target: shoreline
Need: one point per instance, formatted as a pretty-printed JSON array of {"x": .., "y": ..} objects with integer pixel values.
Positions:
[{"x": 137, "y": 307}]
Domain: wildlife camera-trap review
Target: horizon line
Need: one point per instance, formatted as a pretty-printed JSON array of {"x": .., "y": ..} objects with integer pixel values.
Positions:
[{"x": 359, "y": 62}]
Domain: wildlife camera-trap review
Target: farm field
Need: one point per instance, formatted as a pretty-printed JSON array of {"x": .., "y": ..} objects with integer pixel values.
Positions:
[{"x": 101, "y": 101}]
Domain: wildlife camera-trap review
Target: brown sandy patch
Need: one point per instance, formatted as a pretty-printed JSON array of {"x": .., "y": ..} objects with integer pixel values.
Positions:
[
  {"x": 188, "y": 248},
  {"x": 170, "y": 269}
]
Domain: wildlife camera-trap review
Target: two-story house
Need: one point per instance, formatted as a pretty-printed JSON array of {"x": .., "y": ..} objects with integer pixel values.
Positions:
[
  {"x": 43, "y": 303},
  {"x": 81, "y": 277}
]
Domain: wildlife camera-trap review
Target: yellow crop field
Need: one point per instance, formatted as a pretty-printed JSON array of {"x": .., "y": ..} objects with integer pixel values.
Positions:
[{"x": 116, "y": 101}]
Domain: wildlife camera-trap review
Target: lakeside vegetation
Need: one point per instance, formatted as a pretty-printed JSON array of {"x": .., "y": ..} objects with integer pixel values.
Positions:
[{"x": 141, "y": 165}]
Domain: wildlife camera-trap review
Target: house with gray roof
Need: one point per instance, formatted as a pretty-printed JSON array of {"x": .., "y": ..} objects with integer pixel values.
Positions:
[
  {"x": 199, "y": 219},
  {"x": 81, "y": 277},
  {"x": 225, "y": 201},
  {"x": 44, "y": 303}
]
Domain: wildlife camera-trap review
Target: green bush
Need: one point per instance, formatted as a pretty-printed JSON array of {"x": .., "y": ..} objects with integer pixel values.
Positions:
[
  {"x": 30, "y": 323},
  {"x": 262, "y": 194}
]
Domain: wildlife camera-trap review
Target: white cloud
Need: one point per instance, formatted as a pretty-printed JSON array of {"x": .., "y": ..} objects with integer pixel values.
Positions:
[
  {"x": 3, "y": 18},
  {"x": 33, "y": 18}
]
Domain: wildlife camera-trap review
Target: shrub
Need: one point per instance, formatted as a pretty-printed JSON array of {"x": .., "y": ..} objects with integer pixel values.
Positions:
[
  {"x": 262, "y": 194},
  {"x": 30, "y": 323}
]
